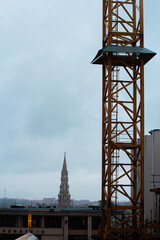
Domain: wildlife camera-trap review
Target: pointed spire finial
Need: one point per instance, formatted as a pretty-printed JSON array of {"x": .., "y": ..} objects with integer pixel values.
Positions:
[{"x": 64, "y": 163}]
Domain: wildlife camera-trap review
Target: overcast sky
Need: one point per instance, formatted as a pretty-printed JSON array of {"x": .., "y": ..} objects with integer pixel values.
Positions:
[{"x": 50, "y": 94}]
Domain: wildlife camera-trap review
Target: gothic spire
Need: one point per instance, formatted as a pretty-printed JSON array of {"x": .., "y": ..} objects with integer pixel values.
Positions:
[{"x": 64, "y": 195}]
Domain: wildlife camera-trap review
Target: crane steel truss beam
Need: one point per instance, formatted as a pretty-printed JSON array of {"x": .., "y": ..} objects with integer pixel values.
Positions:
[{"x": 122, "y": 119}]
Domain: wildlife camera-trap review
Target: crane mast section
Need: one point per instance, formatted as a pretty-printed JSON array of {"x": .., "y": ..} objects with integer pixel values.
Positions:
[
  {"x": 122, "y": 58},
  {"x": 125, "y": 26}
]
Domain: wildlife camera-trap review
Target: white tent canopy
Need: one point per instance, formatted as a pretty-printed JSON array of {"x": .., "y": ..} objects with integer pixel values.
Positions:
[{"x": 28, "y": 236}]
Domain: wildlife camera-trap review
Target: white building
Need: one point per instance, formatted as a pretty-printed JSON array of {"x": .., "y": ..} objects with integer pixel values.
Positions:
[{"x": 152, "y": 175}]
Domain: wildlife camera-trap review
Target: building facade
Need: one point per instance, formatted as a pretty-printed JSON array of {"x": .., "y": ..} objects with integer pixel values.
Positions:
[
  {"x": 64, "y": 195},
  {"x": 50, "y": 224},
  {"x": 152, "y": 176}
]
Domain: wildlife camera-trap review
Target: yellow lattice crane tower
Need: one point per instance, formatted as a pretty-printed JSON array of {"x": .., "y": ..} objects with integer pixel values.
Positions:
[{"x": 122, "y": 57}]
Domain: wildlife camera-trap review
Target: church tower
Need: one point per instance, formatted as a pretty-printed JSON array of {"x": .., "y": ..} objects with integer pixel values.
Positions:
[{"x": 64, "y": 195}]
